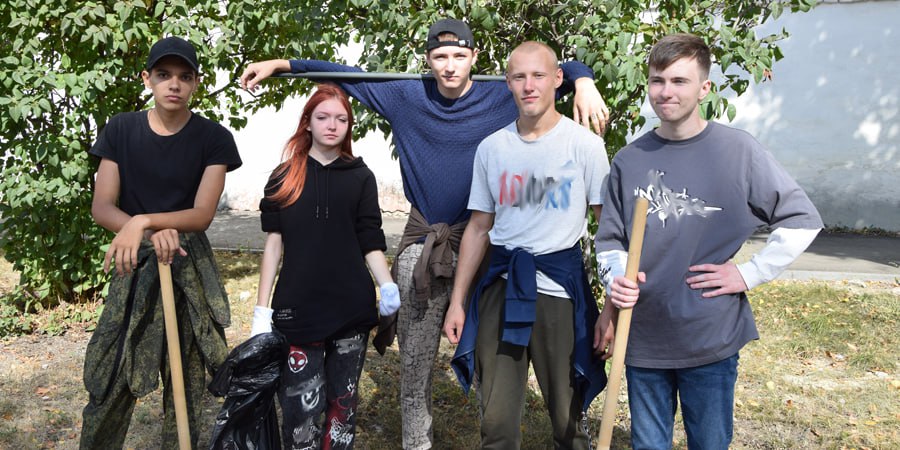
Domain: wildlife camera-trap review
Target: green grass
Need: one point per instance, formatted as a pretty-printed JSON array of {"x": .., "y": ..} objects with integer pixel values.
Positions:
[
  {"x": 809, "y": 319},
  {"x": 823, "y": 375}
]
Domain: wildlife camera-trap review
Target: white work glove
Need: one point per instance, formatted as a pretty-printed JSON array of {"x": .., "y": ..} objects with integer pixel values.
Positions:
[
  {"x": 262, "y": 320},
  {"x": 390, "y": 299}
]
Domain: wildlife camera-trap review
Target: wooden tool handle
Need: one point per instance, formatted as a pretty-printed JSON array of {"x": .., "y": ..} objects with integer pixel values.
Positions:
[
  {"x": 623, "y": 326},
  {"x": 174, "y": 346}
]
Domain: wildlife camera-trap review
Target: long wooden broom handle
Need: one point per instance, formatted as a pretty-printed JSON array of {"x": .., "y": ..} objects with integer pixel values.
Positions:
[
  {"x": 623, "y": 325},
  {"x": 174, "y": 346}
]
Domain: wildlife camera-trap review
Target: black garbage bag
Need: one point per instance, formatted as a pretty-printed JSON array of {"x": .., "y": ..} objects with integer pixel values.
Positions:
[{"x": 249, "y": 381}]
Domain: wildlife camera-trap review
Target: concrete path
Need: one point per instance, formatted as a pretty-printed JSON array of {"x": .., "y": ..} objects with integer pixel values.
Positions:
[{"x": 830, "y": 257}]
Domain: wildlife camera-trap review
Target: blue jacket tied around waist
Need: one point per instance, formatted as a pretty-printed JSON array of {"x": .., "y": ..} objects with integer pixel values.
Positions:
[{"x": 564, "y": 267}]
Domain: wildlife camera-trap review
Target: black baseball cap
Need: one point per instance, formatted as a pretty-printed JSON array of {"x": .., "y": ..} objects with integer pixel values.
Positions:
[
  {"x": 457, "y": 27},
  {"x": 173, "y": 46}
]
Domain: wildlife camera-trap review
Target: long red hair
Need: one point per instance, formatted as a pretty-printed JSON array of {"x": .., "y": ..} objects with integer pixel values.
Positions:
[{"x": 292, "y": 170}]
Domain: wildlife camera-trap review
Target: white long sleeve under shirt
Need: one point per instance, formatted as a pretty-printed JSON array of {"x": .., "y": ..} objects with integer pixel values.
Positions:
[{"x": 782, "y": 248}]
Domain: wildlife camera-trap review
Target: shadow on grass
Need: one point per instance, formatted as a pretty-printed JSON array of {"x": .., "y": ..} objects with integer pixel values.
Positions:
[
  {"x": 456, "y": 417},
  {"x": 236, "y": 265}
]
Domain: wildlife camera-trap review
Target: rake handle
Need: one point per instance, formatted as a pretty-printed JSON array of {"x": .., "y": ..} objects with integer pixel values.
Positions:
[
  {"x": 173, "y": 345},
  {"x": 623, "y": 326}
]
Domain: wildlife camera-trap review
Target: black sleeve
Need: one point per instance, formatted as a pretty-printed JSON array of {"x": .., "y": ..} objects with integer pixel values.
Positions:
[
  {"x": 222, "y": 149},
  {"x": 270, "y": 212},
  {"x": 105, "y": 146},
  {"x": 368, "y": 218}
]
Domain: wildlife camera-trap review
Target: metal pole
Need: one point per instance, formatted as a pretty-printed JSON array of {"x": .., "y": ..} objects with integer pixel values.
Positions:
[{"x": 377, "y": 76}]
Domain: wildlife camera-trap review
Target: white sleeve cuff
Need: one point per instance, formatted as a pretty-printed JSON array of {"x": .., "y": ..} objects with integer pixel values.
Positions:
[
  {"x": 611, "y": 264},
  {"x": 782, "y": 248}
]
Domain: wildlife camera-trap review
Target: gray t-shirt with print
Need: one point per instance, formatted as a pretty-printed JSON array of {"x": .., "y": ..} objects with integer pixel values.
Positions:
[
  {"x": 707, "y": 195},
  {"x": 539, "y": 190}
]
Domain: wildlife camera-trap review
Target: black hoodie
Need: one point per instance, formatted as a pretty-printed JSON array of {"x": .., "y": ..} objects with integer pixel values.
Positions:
[{"x": 324, "y": 286}]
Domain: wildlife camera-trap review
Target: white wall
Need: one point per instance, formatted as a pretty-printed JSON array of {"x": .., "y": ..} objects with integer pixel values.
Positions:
[
  {"x": 262, "y": 141},
  {"x": 830, "y": 116}
]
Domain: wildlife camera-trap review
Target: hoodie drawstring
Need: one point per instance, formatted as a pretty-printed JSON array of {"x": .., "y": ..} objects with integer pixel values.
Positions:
[
  {"x": 327, "y": 185},
  {"x": 317, "y": 191},
  {"x": 327, "y": 190}
]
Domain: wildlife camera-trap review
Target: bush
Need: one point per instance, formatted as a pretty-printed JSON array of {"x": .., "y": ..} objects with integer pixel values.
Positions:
[
  {"x": 12, "y": 321},
  {"x": 60, "y": 87}
]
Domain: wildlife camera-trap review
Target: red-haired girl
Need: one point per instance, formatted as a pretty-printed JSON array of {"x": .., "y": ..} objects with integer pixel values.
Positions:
[{"x": 321, "y": 212}]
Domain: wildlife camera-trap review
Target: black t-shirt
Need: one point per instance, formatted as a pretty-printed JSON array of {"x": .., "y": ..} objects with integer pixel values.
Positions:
[{"x": 162, "y": 173}]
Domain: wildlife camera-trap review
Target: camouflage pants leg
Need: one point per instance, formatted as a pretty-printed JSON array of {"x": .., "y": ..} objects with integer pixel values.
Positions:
[
  {"x": 419, "y": 332},
  {"x": 104, "y": 425}
]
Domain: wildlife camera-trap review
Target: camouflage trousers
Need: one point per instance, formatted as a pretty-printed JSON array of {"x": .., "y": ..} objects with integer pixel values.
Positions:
[
  {"x": 127, "y": 352},
  {"x": 105, "y": 423},
  {"x": 419, "y": 327}
]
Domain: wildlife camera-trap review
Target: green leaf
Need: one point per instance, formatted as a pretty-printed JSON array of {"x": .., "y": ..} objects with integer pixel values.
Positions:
[
  {"x": 732, "y": 111},
  {"x": 488, "y": 23},
  {"x": 777, "y": 9},
  {"x": 726, "y": 61},
  {"x": 757, "y": 72},
  {"x": 776, "y": 53}
]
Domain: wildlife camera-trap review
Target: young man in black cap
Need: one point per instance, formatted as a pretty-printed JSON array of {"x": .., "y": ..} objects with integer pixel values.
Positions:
[
  {"x": 437, "y": 125},
  {"x": 161, "y": 173}
]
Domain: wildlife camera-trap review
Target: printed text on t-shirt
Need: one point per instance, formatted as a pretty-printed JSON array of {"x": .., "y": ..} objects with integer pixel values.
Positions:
[{"x": 520, "y": 190}]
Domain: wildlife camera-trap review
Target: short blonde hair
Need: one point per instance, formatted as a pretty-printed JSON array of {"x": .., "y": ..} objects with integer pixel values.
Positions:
[{"x": 534, "y": 47}]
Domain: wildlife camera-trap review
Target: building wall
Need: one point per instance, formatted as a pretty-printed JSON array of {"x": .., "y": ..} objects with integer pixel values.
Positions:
[
  {"x": 830, "y": 116},
  {"x": 261, "y": 143}
]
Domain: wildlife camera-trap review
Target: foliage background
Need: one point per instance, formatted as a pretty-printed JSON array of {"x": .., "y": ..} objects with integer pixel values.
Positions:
[
  {"x": 68, "y": 66},
  {"x": 71, "y": 65}
]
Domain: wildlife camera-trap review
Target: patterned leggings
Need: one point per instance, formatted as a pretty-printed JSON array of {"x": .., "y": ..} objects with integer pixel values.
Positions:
[
  {"x": 419, "y": 331},
  {"x": 322, "y": 377}
]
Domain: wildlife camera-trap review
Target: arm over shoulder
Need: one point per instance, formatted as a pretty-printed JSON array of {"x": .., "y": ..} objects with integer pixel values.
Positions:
[{"x": 382, "y": 96}]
